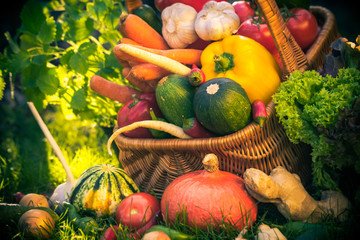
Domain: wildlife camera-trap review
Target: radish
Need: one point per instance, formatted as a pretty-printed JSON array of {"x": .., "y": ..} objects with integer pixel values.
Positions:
[
  {"x": 196, "y": 76},
  {"x": 193, "y": 128},
  {"x": 259, "y": 112}
]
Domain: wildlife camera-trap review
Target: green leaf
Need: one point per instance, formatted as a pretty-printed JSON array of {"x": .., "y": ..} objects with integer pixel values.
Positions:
[
  {"x": 78, "y": 101},
  {"x": 79, "y": 30},
  {"x": 28, "y": 77},
  {"x": 47, "y": 80},
  {"x": 78, "y": 63},
  {"x": 97, "y": 9},
  {"x": 87, "y": 49},
  {"x": 110, "y": 36},
  {"x": 75, "y": 11},
  {"x": 40, "y": 77},
  {"x": 39, "y": 59},
  {"x": 59, "y": 31},
  {"x": 37, "y": 97},
  {"x": 32, "y": 16},
  {"x": 65, "y": 58},
  {"x": 13, "y": 45},
  {"x": 19, "y": 62},
  {"x": 4, "y": 62},
  {"x": 29, "y": 41},
  {"x": 111, "y": 66},
  {"x": 47, "y": 31}
]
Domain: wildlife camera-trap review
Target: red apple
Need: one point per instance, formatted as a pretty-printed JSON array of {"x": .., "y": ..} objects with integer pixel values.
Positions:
[
  {"x": 137, "y": 210},
  {"x": 110, "y": 233}
]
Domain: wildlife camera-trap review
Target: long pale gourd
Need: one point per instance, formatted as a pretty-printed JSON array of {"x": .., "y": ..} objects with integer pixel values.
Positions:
[
  {"x": 153, "y": 124},
  {"x": 161, "y": 61}
]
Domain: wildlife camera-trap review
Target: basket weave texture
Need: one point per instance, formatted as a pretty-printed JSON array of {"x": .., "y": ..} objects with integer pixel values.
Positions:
[{"x": 154, "y": 163}]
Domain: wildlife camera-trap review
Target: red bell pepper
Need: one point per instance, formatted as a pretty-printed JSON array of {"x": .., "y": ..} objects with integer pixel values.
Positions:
[
  {"x": 197, "y": 4},
  {"x": 136, "y": 110}
]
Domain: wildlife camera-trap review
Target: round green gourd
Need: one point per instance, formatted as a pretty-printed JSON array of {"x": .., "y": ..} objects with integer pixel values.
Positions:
[
  {"x": 100, "y": 189},
  {"x": 174, "y": 96},
  {"x": 222, "y": 106}
]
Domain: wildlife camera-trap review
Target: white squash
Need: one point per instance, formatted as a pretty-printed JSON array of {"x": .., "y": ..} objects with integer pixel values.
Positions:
[
  {"x": 178, "y": 25},
  {"x": 216, "y": 21}
]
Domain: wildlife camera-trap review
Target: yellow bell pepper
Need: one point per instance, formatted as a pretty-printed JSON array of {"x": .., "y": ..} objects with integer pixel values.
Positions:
[{"x": 245, "y": 61}]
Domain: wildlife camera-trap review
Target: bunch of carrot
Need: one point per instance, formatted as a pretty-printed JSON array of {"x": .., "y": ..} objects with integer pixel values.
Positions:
[
  {"x": 140, "y": 34},
  {"x": 142, "y": 74}
]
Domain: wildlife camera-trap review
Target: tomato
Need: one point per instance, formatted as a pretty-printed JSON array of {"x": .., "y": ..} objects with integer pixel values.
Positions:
[
  {"x": 138, "y": 209},
  {"x": 243, "y": 9},
  {"x": 303, "y": 26},
  {"x": 258, "y": 31}
]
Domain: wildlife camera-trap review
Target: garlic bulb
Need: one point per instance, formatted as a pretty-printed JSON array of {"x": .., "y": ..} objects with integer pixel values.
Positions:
[
  {"x": 178, "y": 25},
  {"x": 216, "y": 21}
]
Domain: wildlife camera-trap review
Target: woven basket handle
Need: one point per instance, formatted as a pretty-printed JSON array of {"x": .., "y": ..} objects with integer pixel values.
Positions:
[{"x": 292, "y": 56}]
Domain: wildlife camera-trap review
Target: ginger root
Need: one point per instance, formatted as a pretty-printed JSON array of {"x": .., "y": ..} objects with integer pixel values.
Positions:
[
  {"x": 264, "y": 233},
  {"x": 286, "y": 191}
]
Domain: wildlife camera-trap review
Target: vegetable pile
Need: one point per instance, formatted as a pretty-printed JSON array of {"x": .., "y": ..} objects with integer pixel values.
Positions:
[
  {"x": 191, "y": 51},
  {"x": 201, "y": 69}
]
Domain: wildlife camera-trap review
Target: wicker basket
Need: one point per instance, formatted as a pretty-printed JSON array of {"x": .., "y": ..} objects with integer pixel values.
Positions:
[{"x": 153, "y": 163}]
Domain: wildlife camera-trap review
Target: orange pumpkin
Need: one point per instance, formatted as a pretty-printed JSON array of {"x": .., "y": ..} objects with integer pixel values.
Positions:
[
  {"x": 37, "y": 223},
  {"x": 34, "y": 200},
  {"x": 209, "y": 197}
]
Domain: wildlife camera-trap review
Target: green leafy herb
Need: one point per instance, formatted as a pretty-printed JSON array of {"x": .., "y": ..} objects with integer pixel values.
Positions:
[
  {"x": 308, "y": 101},
  {"x": 59, "y": 47}
]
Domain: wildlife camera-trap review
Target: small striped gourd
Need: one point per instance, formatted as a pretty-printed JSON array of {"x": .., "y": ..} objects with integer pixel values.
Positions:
[{"x": 100, "y": 189}]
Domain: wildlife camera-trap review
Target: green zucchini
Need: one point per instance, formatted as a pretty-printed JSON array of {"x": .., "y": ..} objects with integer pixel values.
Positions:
[
  {"x": 149, "y": 15},
  {"x": 174, "y": 96}
]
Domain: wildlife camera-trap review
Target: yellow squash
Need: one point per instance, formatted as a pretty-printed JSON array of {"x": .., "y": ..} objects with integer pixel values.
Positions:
[{"x": 245, "y": 61}]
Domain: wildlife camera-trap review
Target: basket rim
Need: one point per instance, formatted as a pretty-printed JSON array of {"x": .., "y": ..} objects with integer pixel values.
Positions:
[{"x": 194, "y": 144}]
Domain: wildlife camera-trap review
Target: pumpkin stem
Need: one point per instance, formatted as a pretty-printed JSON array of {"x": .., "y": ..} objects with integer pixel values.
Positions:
[{"x": 211, "y": 162}]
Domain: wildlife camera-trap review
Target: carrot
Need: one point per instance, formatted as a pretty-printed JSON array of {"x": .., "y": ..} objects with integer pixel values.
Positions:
[
  {"x": 129, "y": 41},
  {"x": 185, "y": 56},
  {"x": 148, "y": 72},
  {"x": 156, "y": 59},
  {"x": 132, "y": 5},
  {"x": 133, "y": 27},
  {"x": 111, "y": 90},
  {"x": 153, "y": 124},
  {"x": 145, "y": 86},
  {"x": 125, "y": 59}
]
